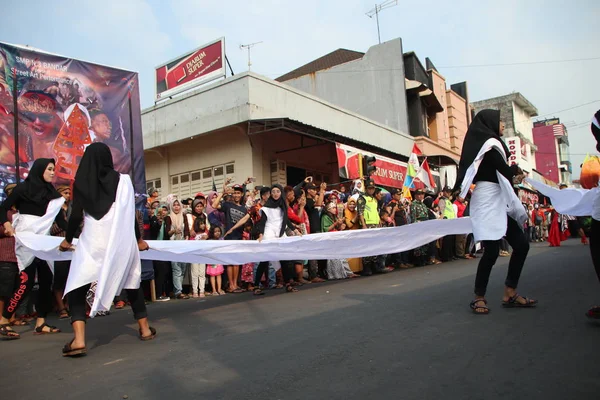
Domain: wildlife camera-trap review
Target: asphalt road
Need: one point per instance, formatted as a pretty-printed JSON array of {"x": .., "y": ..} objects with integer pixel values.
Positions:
[{"x": 404, "y": 335}]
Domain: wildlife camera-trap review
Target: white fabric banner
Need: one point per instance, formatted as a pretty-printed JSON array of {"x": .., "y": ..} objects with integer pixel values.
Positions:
[
  {"x": 106, "y": 252},
  {"x": 320, "y": 246},
  {"x": 571, "y": 201}
]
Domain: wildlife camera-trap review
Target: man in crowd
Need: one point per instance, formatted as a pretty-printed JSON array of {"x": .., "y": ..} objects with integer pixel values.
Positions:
[
  {"x": 368, "y": 212},
  {"x": 398, "y": 210}
]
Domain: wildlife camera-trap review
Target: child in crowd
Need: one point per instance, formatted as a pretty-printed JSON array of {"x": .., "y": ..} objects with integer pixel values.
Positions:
[
  {"x": 215, "y": 271},
  {"x": 248, "y": 268},
  {"x": 198, "y": 271}
]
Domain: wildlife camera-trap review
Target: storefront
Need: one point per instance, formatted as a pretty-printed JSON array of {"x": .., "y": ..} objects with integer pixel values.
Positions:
[{"x": 248, "y": 125}]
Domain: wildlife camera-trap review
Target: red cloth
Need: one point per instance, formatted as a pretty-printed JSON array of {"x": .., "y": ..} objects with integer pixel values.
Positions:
[
  {"x": 556, "y": 234},
  {"x": 292, "y": 216},
  {"x": 461, "y": 207}
]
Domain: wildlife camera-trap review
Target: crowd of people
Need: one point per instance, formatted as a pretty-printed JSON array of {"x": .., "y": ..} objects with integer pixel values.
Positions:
[{"x": 104, "y": 199}]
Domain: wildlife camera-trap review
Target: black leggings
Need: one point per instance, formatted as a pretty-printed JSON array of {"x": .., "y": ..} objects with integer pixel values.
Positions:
[
  {"x": 162, "y": 269},
  {"x": 77, "y": 303},
  {"x": 287, "y": 269},
  {"x": 43, "y": 304},
  {"x": 595, "y": 245},
  {"x": 518, "y": 241}
]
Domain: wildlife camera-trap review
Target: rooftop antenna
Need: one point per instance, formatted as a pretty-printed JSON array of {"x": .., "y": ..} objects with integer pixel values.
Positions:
[
  {"x": 248, "y": 47},
  {"x": 378, "y": 8}
]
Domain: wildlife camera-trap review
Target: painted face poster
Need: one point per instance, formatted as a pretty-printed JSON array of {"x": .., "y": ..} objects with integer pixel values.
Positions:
[{"x": 62, "y": 106}]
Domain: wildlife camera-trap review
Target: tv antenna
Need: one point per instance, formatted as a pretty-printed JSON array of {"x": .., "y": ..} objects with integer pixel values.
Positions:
[
  {"x": 248, "y": 47},
  {"x": 378, "y": 8}
]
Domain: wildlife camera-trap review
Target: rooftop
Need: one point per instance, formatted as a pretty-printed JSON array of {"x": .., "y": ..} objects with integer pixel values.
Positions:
[
  {"x": 337, "y": 57},
  {"x": 515, "y": 97}
]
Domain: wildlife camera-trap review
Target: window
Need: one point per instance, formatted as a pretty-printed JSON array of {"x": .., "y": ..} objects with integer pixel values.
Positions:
[
  {"x": 154, "y": 183},
  {"x": 188, "y": 184}
]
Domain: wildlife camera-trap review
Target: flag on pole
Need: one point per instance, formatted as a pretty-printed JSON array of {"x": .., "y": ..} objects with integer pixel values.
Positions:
[
  {"x": 413, "y": 161},
  {"x": 406, "y": 193},
  {"x": 425, "y": 175}
]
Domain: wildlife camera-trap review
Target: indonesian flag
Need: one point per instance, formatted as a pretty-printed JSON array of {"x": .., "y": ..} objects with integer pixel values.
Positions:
[{"x": 425, "y": 176}]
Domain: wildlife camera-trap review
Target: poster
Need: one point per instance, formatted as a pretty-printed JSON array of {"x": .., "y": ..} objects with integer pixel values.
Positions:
[{"x": 63, "y": 105}]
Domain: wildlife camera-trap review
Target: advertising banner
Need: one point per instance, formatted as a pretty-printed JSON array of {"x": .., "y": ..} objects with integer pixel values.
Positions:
[
  {"x": 202, "y": 65},
  {"x": 389, "y": 172},
  {"x": 514, "y": 147},
  {"x": 53, "y": 107}
]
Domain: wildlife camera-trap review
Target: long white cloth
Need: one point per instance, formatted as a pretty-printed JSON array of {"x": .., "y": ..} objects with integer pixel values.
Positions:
[
  {"x": 26, "y": 223},
  {"x": 576, "y": 202},
  {"x": 491, "y": 204},
  {"x": 320, "y": 246},
  {"x": 107, "y": 251}
]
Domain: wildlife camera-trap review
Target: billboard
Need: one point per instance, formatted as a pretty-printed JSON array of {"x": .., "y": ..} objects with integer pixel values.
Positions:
[
  {"x": 53, "y": 107},
  {"x": 202, "y": 65},
  {"x": 390, "y": 173}
]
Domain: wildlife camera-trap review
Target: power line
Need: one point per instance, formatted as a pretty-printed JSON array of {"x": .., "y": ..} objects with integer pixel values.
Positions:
[
  {"x": 521, "y": 63},
  {"x": 452, "y": 66}
]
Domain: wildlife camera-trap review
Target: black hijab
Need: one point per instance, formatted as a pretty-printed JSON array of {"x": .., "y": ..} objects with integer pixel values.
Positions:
[
  {"x": 96, "y": 181},
  {"x": 37, "y": 190},
  {"x": 485, "y": 125},
  {"x": 281, "y": 204}
]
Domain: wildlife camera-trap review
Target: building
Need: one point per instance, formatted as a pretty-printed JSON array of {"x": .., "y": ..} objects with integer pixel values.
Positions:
[
  {"x": 249, "y": 125},
  {"x": 516, "y": 113},
  {"x": 552, "y": 158},
  {"x": 394, "y": 89}
]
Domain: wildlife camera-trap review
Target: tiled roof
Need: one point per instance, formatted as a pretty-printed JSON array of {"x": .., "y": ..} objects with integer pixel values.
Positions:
[{"x": 337, "y": 57}]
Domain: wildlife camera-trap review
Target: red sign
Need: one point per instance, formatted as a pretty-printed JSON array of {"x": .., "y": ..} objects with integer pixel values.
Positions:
[
  {"x": 528, "y": 197},
  {"x": 202, "y": 65},
  {"x": 514, "y": 146},
  {"x": 389, "y": 172}
]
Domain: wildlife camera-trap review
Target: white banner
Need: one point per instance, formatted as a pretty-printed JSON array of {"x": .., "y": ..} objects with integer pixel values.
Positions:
[{"x": 320, "y": 246}]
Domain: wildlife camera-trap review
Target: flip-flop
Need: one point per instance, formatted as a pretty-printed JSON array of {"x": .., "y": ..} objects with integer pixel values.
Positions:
[
  {"x": 149, "y": 337},
  {"x": 68, "y": 351},
  {"x": 593, "y": 313}
]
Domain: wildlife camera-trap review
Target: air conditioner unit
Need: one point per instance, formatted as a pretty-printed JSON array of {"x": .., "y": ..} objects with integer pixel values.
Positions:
[{"x": 278, "y": 172}]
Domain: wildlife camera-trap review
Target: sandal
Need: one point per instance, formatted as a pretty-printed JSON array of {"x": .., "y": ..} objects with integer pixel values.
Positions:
[
  {"x": 593, "y": 313},
  {"x": 513, "y": 303},
  {"x": 69, "y": 351},
  {"x": 258, "y": 292},
  {"x": 39, "y": 330},
  {"x": 6, "y": 333},
  {"x": 119, "y": 305},
  {"x": 290, "y": 289},
  {"x": 237, "y": 290},
  {"x": 476, "y": 307},
  {"x": 151, "y": 336},
  {"x": 18, "y": 322},
  {"x": 63, "y": 314}
]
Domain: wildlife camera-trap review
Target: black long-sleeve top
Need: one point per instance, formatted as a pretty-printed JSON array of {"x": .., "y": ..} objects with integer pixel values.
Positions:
[
  {"x": 260, "y": 226},
  {"x": 77, "y": 218},
  {"x": 25, "y": 206},
  {"x": 492, "y": 162}
]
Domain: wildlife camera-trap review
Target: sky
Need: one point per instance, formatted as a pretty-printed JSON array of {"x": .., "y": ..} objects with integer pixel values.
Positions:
[{"x": 466, "y": 40}]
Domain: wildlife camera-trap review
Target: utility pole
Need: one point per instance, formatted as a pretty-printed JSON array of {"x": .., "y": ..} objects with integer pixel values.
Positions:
[
  {"x": 248, "y": 47},
  {"x": 378, "y": 8}
]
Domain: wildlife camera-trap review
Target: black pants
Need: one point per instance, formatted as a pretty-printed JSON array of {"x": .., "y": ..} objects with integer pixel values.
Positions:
[
  {"x": 287, "y": 270},
  {"x": 595, "y": 245},
  {"x": 518, "y": 240},
  {"x": 448, "y": 247},
  {"x": 162, "y": 270},
  {"x": 44, "y": 300},
  {"x": 77, "y": 303},
  {"x": 61, "y": 273}
]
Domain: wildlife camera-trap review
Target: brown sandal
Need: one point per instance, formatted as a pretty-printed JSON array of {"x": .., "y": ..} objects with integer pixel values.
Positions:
[
  {"x": 68, "y": 351},
  {"x": 6, "y": 333},
  {"x": 149, "y": 337},
  {"x": 39, "y": 330}
]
